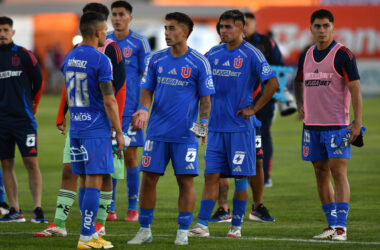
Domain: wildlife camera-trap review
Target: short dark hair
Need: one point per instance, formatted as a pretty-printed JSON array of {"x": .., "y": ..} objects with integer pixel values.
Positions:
[
  {"x": 235, "y": 15},
  {"x": 181, "y": 18},
  {"x": 122, "y": 4},
  {"x": 6, "y": 20},
  {"x": 249, "y": 15},
  {"x": 89, "y": 22},
  {"x": 320, "y": 14},
  {"x": 96, "y": 7}
]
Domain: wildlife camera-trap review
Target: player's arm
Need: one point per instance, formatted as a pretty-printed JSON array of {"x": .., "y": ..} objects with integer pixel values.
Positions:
[
  {"x": 111, "y": 108},
  {"x": 140, "y": 117},
  {"x": 298, "y": 85},
  {"x": 270, "y": 88},
  {"x": 356, "y": 99},
  {"x": 61, "y": 121},
  {"x": 204, "y": 114},
  {"x": 34, "y": 73}
]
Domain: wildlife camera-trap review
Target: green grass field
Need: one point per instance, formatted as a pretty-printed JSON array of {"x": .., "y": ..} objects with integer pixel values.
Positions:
[{"x": 292, "y": 200}]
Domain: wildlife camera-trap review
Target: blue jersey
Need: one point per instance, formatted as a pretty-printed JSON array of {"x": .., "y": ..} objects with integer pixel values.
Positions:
[
  {"x": 84, "y": 68},
  {"x": 178, "y": 82},
  {"x": 136, "y": 52},
  {"x": 235, "y": 74}
]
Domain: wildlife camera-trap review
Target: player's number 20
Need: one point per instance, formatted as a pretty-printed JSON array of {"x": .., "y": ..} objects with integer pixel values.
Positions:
[{"x": 78, "y": 82}]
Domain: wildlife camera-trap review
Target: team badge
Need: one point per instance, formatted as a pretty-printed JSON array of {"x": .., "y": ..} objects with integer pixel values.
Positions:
[
  {"x": 30, "y": 140},
  {"x": 145, "y": 161},
  {"x": 191, "y": 155},
  {"x": 305, "y": 151},
  {"x": 238, "y": 157},
  {"x": 15, "y": 60},
  {"x": 238, "y": 62},
  {"x": 78, "y": 154},
  {"x": 127, "y": 52},
  {"x": 185, "y": 73},
  {"x": 216, "y": 61},
  {"x": 160, "y": 69}
]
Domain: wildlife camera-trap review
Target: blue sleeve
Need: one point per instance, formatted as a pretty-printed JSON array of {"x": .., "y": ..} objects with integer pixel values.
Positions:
[
  {"x": 261, "y": 67},
  {"x": 149, "y": 79},
  {"x": 144, "y": 55},
  {"x": 205, "y": 83},
  {"x": 105, "y": 69}
]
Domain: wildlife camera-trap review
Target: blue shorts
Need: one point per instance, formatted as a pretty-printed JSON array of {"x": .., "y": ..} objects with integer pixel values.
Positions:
[
  {"x": 91, "y": 156},
  {"x": 156, "y": 156},
  {"x": 137, "y": 137},
  {"x": 231, "y": 154},
  {"x": 259, "y": 148},
  {"x": 321, "y": 145},
  {"x": 22, "y": 133}
]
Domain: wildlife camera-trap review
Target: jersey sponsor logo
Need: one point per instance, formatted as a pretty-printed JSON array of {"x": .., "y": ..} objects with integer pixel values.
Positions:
[
  {"x": 127, "y": 52},
  {"x": 77, "y": 63},
  {"x": 305, "y": 151},
  {"x": 238, "y": 157},
  {"x": 191, "y": 155},
  {"x": 78, "y": 154},
  {"x": 80, "y": 117},
  {"x": 145, "y": 161},
  {"x": 16, "y": 60},
  {"x": 316, "y": 83},
  {"x": 225, "y": 72},
  {"x": 171, "y": 81},
  {"x": 172, "y": 72},
  {"x": 318, "y": 75},
  {"x": 185, "y": 73},
  {"x": 30, "y": 140},
  {"x": 238, "y": 62},
  {"x": 9, "y": 74},
  {"x": 226, "y": 63}
]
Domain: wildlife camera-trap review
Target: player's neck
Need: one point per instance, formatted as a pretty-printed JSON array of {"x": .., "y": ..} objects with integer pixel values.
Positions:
[
  {"x": 179, "y": 49},
  {"x": 323, "y": 45},
  {"x": 122, "y": 34},
  {"x": 235, "y": 43},
  {"x": 91, "y": 42}
]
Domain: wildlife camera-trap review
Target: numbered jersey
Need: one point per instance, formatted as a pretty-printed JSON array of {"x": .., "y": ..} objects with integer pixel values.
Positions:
[{"x": 84, "y": 68}]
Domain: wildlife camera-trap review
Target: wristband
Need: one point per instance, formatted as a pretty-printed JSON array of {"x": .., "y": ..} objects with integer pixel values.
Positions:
[
  {"x": 145, "y": 108},
  {"x": 204, "y": 121}
]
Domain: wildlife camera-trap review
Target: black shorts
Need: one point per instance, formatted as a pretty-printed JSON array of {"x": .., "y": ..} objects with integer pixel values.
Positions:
[{"x": 22, "y": 133}]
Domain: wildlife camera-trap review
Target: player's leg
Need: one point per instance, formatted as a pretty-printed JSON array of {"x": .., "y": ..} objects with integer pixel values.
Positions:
[
  {"x": 4, "y": 208},
  {"x": 222, "y": 214},
  {"x": 133, "y": 182},
  {"x": 105, "y": 199},
  {"x": 154, "y": 159}
]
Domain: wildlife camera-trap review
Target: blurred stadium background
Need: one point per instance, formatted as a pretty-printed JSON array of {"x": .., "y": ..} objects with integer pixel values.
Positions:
[{"x": 47, "y": 27}]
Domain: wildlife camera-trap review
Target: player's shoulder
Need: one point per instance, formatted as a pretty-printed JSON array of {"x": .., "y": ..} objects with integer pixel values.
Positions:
[
  {"x": 159, "y": 55},
  {"x": 253, "y": 51},
  {"x": 24, "y": 53},
  {"x": 216, "y": 49},
  {"x": 143, "y": 40},
  {"x": 197, "y": 55},
  {"x": 344, "y": 51}
]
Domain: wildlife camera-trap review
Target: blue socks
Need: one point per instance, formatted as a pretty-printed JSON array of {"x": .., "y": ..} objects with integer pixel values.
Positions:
[
  {"x": 330, "y": 212},
  {"x": 2, "y": 190},
  {"x": 80, "y": 197},
  {"x": 184, "y": 220},
  {"x": 238, "y": 211},
  {"x": 90, "y": 204},
  {"x": 205, "y": 211},
  {"x": 133, "y": 184},
  {"x": 342, "y": 213},
  {"x": 146, "y": 217},
  {"x": 112, "y": 206}
]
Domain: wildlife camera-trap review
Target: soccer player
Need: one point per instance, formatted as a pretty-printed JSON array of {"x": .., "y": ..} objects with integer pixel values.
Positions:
[
  {"x": 326, "y": 80},
  {"x": 93, "y": 107},
  {"x": 21, "y": 87},
  {"x": 136, "y": 52},
  {"x": 179, "y": 77},
  {"x": 67, "y": 193},
  {"x": 237, "y": 67}
]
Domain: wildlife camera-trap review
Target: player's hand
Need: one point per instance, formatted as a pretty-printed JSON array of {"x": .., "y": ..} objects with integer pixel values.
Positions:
[
  {"x": 245, "y": 112},
  {"x": 355, "y": 131},
  {"x": 62, "y": 127},
  {"x": 139, "y": 119},
  {"x": 204, "y": 139},
  {"x": 300, "y": 109},
  {"x": 120, "y": 142}
]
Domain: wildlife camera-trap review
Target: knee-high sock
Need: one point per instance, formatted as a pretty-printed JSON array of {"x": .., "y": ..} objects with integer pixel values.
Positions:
[
  {"x": 238, "y": 212},
  {"x": 133, "y": 184},
  {"x": 205, "y": 211},
  {"x": 65, "y": 201},
  {"x": 113, "y": 201},
  {"x": 89, "y": 210},
  {"x": 2, "y": 189},
  {"x": 105, "y": 199}
]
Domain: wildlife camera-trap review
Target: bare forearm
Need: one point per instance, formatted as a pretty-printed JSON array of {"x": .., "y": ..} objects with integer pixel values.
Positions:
[
  {"x": 112, "y": 110},
  {"x": 269, "y": 90},
  {"x": 298, "y": 91},
  {"x": 146, "y": 98},
  {"x": 356, "y": 99},
  {"x": 205, "y": 107}
]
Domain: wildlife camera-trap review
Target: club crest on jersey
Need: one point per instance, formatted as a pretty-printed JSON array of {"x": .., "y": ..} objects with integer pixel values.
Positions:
[
  {"x": 238, "y": 62},
  {"x": 216, "y": 61},
  {"x": 185, "y": 73},
  {"x": 160, "y": 69},
  {"x": 305, "y": 151},
  {"x": 145, "y": 161},
  {"x": 127, "y": 52},
  {"x": 15, "y": 60}
]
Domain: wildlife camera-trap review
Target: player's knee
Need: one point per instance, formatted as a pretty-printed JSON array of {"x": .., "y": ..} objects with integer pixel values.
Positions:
[{"x": 241, "y": 184}]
